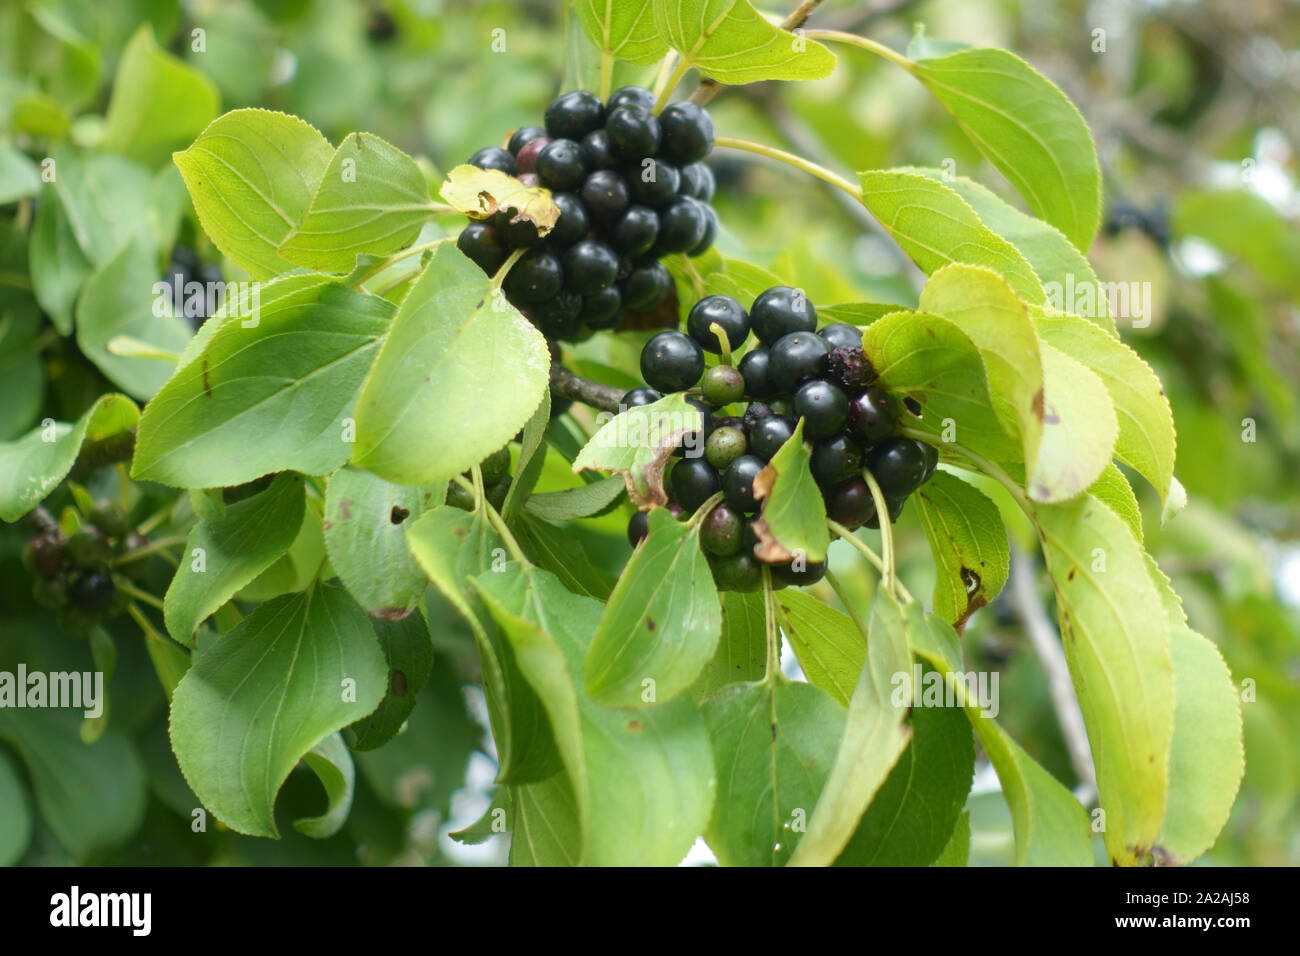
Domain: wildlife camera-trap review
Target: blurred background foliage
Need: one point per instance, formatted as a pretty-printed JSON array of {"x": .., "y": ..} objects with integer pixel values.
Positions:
[{"x": 1195, "y": 107}]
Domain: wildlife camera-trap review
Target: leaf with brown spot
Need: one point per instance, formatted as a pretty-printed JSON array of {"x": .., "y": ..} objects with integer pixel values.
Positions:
[
  {"x": 969, "y": 544},
  {"x": 481, "y": 193}
]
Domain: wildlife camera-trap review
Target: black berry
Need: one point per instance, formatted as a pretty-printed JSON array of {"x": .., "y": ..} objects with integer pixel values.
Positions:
[
  {"x": 653, "y": 182},
  {"x": 721, "y": 531},
  {"x": 522, "y": 136},
  {"x": 779, "y": 311},
  {"x": 494, "y": 157},
  {"x": 895, "y": 509},
  {"x": 755, "y": 368},
  {"x": 687, "y": 132},
  {"x": 697, "y": 181},
  {"x": 738, "y": 572},
  {"x": 640, "y": 396},
  {"x": 92, "y": 591},
  {"x": 694, "y": 481},
  {"x": 835, "y": 459},
  {"x": 605, "y": 194},
  {"x": 769, "y": 434},
  {"x": 636, "y": 230},
  {"x": 823, "y": 407},
  {"x": 560, "y": 316},
  {"x": 809, "y": 572},
  {"x": 631, "y": 96},
  {"x": 738, "y": 482},
  {"x": 795, "y": 357},
  {"x": 560, "y": 165},
  {"x": 646, "y": 286},
  {"x": 526, "y": 158},
  {"x": 898, "y": 465},
  {"x": 850, "y": 503},
  {"x": 596, "y": 150},
  {"x": 600, "y": 310},
  {"x": 481, "y": 243},
  {"x": 589, "y": 266},
  {"x": 841, "y": 335},
  {"x": 633, "y": 132},
  {"x": 495, "y": 466},
  {"x": 726, "y": 312},
  {"x": 638, "y": 528},
  {"x": 871, "y": 415},
  {"x": 536, "y": 277},
  {"x": 710, "y": 232},
  {"x": 574, "y": 115},
  {"x": 573, "y": 223},
  {"x": 671, "y": 362},
  {"x": 681, "y": 225}
]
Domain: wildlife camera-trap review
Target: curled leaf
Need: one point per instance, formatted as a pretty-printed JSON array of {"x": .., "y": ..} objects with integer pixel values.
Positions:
[
  {"x": 637, "y": 445},
  {"x": 481, "y": 193}
]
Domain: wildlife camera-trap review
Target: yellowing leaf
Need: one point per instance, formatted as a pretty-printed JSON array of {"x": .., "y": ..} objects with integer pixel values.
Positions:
[{"x": 480, "y": 193}]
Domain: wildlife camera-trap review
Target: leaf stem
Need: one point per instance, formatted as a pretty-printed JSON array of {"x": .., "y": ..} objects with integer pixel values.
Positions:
[
  {"x": 153, "y": 547},
  {"x": 989, "y": 468},
  {"x": 606, "y": 73},
  {"x": 840, "y": 593},
  {"x": 844, "y": 534},
  {"x": 500, "y": 275},
  {"x": 664, "y": 93},
  {"x": 724, "y": 343},
  {"x": 888, "y": 575},
  {"x": 396, "y": 257},
  {"x": 703, "y": 510},
  {"x": 773, "y": 634},
  {"x": 484, "y": 506},
  {"x": 863, "y": 43},
  {"x": 134, "y": 592},
  {"x": 697, "y": 280},
  {"x": 791, "y": 159}
]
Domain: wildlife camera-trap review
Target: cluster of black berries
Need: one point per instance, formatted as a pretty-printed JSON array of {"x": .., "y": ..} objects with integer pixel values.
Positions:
[
  {"x": 495, "y": 469},
  {"x": 73, "y": 571},
  {"x": 631, "y": 188},
  {"x": 797, "y": 371}
]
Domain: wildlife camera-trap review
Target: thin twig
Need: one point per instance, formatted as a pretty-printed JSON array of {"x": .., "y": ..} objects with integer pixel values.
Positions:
[{"x": 596, "y": 394}]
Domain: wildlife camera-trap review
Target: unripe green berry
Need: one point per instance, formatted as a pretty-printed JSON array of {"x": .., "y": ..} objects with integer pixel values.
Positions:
[
  {"x": 724, "y": 446},
  {"x": 722, "y": 385}
]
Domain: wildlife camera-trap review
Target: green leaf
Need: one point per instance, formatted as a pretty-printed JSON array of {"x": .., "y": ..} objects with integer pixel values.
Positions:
[
  {"x": 1051, "y": 826},
  {"x": 1027, "y": 128},
  {"x": 792, "y": 520},
  {"x": 408, "y": 649},
  {"x": 914, "y": 814},
  {"x": 1206, "y": 760},
  {"x": 987, "y": 310},
  {"x": 32, "y": 466},
  {"x": 773, "y": 745},
  {"x": 558, "y": 551},
  {"x": 730, "y": 41},
  {"x": 372, "y": 199},
  {"x": 158, "y": 103},
  {"x": 58, "y": 264},
  {"x": 969, "y": 544},
  {"x": 1064, "y": 271},
  {"x": 251, "y": 175},
  {"x": 223, "y": 420},
  {"x": 257, "y": 701},
  {"x": 459, "y": 374},
  {"x": 875, "y": 735},
  {"x": 16, "y": 821},
  {"x": 571, "y": 503},
  {"x": 931, "y": 360},
  {"x": 22, "y": 372},
  {"x": 19, "y": 176},
  {"x": 544, "y": 825},
  {"x": 118, "y": 300},
  {"x": 453, "y": 547},
  {"x": 1113, "y": 488},
  {"x": 741, "y": 656},
  {"x": 643, "y": 780},
  {"x": 1117, "y": 646},
  {"x": 1079, "y": 429},
  {"x": 935, "y": 226},
  {"x": 333, "y": 766},
  {"x": 365, "y": 523},
  {"x": 1146, "y": 441},
  {"x": 532, "y": 458},
  {"x": 826, "y": 642},
  {"x": 91, "y": 796},
  {"x": 637, "y": 444},
  {"x": 105, "y": 198},
  {"x": 225, "y": 553},
  {"x": 625, "y": 29},
  {"x": 957, "y": 851},
  {"x": 298, "y": 568},
  {"x": 662, "y": 623}
]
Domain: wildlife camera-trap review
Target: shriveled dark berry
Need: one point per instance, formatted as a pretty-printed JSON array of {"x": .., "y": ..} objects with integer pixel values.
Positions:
[
  {"x": 536, "y": 277},
  {"x": 671, "y": 362},
  {"x": 636, "y": 230},
  {"x": 779, "y": 311},
  {"x": 638, "y": 527},
  {"x": 596, "y": 150},
  {"x": 494, "y": 157},
  {"x": 687, "y": 132},
  {"x": 898, "y": 465},
  {"x": 694, "y": 481},
  {"x": 647, "y": 285},
  {"x": 850, "y": 503},
  {"x": 92, "y": 591},
  {"x": 698, "y": 181},
  {"x": 722, "y": 385},
  {"x": 560, "y": 165},
  {"x": 481, "y": 243},
  {"x": 602, "y": 309},
  {"x": 652, "y": 182},
  {"x": 643, "y": 395},
  {"x": 755, "y": 368},
  {"x": 560, "y": 316},
  {"x": 849, "y": 366},
  {"x": 721, "y": 531},
  {"x": 755, "y": 413},
  {"x": 795, "y": 357},
  {"x": 871, "y": 415},
  {"x": 823, "y": 407},
  {"x": 633, "y": 132},
  {"x": 573, "y": 223},
  {"x": 45, "y": 556},
  {"x": 682, "y": 223},
  {"x": 841, "y": 335},
  {"x": 630, "y": 96},
  {"x": 724, "y": 446},
  {"x": 738, "y": 483},
  {"x": 726, "y": 312},
  {"x": 520, "y": 137},
  {"x": 574, "y": 115},
  {"x": 835, "y": 459},
  {"x": 589, "y": 266},
  {"x": 526, "y": 158},
  {"x": 768, "y": 435},
  {"x": 605, "y": 194}
]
